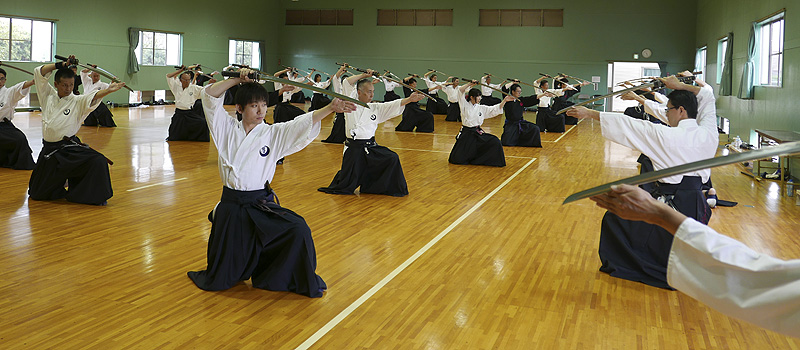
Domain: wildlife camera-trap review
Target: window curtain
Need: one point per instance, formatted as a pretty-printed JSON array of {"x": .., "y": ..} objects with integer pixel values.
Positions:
[
  {"x": 726, "y": 80},
  {"x": 663, "y": 67},
  {"x": 748, "y": 75},
  {"x": 133, "y": 42}
]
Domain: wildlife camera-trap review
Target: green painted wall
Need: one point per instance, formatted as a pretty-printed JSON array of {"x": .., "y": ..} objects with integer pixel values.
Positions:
[
  {"x": 96, "y": 31},
  {"x": 773, "y": 108},
  {"x": 594, "y": 33}
]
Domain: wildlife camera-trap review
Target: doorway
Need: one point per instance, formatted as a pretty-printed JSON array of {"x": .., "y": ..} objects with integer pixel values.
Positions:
[{"x": 623, "y": 71}]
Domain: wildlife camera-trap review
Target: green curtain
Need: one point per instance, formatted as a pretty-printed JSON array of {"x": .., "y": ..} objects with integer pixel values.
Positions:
[
  {"x": 726, "y": 80},
  {"x": 748, "y": 76},
  {"x": 133, "y": 41}
]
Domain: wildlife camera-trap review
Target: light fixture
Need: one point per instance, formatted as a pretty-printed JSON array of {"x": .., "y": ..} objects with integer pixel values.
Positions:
[{"x": 636, "y": 56}]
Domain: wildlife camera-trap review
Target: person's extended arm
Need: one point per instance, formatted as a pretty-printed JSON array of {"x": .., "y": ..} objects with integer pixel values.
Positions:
[
  {"x": 102, "y": 93},
  {"x": 633, "y": 203},
  {"x": 415, "y": 97}
]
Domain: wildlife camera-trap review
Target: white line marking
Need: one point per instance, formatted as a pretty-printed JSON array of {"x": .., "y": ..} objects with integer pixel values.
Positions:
[
  {"x": 567, "y": 132},
  {"x": 360, "y": 301},
  {"x": 435, "y": 151},
  {"x": 157, "y": 184}
]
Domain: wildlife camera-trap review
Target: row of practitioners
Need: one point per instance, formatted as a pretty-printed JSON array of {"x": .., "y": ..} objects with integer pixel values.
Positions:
[{"x": 253, "y": 237}]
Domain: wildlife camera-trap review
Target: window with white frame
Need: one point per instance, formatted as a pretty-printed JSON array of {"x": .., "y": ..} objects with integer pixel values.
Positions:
[
  {"x": 244, "y": 52},
  {"x": 159, "y": 48},
  {"x": 770, "y": 53},
  {"x": 26, "y": 40},
  {"x": 700, "y": 62},
  {"x": 722, "y": 48}
]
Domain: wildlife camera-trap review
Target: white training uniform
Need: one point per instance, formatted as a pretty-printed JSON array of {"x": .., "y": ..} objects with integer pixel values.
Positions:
[
  {"x": 545, "y": 101},
  {"x": 430, "y": 83},
  {"x": 730, "y": 277},
  {"x": 184, "y": 98},
  {"x": 389, "y": 85},
  {"x": 9, "y": 97},
  {"x": 247, "y": 161},
  {"x": 337, "y": 84},
  {"x": 89, "y": 86},
  {"x": 486, "y": 91},
  {"x": 348, "y": 89},
  {"x": 61, "y": 117},
  {"x": 472, "y": 115},
  {"x": 692, "y": 140},
  {"x": 322, "y": 84},
  {"x": 451, "y": 92},
  {"x": 362, "y": 123}
]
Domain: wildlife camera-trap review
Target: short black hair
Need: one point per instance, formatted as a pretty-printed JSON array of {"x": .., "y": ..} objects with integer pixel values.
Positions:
[
  {"x": 433, "y": 76},
  {"x": 317, "y": 76},
  {"x": 513, "y": 87},
  {"x": 410, "y": 80},
  {"x": 251, "y": 92},
  {"x": 3, "y": 72},
  {"x": 361, "y": 83},
  {"x": 283, "y": 76},
  {"x": 559, "y": 83},
  {"x": 190, "y": 73},
  {"x": 685, "y": 99},
  {"x": 473, "y": 93},
  {"x": 64, "y": 73}
]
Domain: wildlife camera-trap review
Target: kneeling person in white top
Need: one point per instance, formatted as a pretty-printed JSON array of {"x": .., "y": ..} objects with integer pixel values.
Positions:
[
  {"x": 188, "y": 123},
  {"x": 63, "y": 156},
  {"x": 374, "y": 168},
  {"x": 101, "y": 115},
  {"x": 252, "y": 236},
  {"x": 473, "y": 145},
  {"x": 15, "y": 153}
]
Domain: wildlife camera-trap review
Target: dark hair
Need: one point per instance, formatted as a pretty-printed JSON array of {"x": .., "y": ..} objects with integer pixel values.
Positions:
[
  {"x": 559, "y": 83},
  {"x": 410, "y": 80},
  {"x": 361, "y": 83},
  {"x": 3, "y": 71},
  {"x": 249, "y": 93},
  {"x": 317, "y": 76},
  {"x": 190, "y": 73},
  {"x": 513, "y": 87},
  {"x": 685, "y": 99},
  {"x": 64, "y": 73},
  {"x": 433, "y": 76},
  {"x": 283, "y": 76},
  {"x": 473, "y": 93}
]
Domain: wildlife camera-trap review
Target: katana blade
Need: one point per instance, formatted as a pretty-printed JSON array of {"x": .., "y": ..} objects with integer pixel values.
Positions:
[
  {"x": 376, "y": 75},
  {"x": 598, "y": 98},
  {"x": 17, "y": 68},
  {"x": 100, "y": 71},
  {"x": 477, "y": 82},
  {"x": 571, "y": 77},
  {"x": 274, "y": 79},
  {"x": 768, "y": 152},
  {"x": 521, "y": 82}
]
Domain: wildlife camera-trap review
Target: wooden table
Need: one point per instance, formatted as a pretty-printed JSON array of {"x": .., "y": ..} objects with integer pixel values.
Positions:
[{"x": 779, "y": 136}]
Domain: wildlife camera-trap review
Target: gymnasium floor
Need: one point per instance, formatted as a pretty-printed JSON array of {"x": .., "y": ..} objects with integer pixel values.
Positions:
[{"x": 474, "y": 258}]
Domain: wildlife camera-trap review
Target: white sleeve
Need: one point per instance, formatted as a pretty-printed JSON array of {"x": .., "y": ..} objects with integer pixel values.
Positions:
[
  {"x": 296, "y": 134},
  {"x": 85, "y": 78},
  {"x": 493, "y": 111},
  {"x": 17, "y": 93},
  {"x": 387, "y": 110},
  {"x": 638, "y": 134},
  {"x": 43, "y": 88},
  {"x": 85, "y": 105},
  {"x": 174, "y": 84},
  {"x": 734, "y": 279},
  {"x": 218, "y": 120},
  {"x": 707, "y": 109},
  {"x": 661, "y": 98},
  {"x": 656, "y": 109},
  {"x": 325, "y": 84},
  {"x": 348, "y": 89}
]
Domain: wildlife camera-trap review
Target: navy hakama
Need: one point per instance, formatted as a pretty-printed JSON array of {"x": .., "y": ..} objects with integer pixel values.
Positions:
[
  {"x": 298, "y": 97},
  {"x": 337, "y": 133},
  {"x": 473, "y": 146},
  {"x": 638, "y": 251},
  {"x": 189, "y": 125},
  {"x": 252, "y": 237},
  {"x": 100, "y": 116},
  {"x": 453, "y": 112},
  {"x": 415, "y": 117},
  {"x": 390, "y": 96},
  {"x": 85, "y": 169},
  {"x": 15, "y": 152},
  {"x": 439, "y": 106},
  {"x": 517, "y": 131},
  {"x": 285, "y": 112},
  {"x": 374, "y": 168},
  {"x": 318, "y": 101},
  {"x": 547, "y": 120},
  {"x": 490, "y": 100}
]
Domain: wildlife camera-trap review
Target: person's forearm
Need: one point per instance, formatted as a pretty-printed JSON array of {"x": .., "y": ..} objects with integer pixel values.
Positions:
[
  {"x": 354, "y": 79},
  {"x": 47, "y": 68},
  {"x": 219, "y": 88},
  {"x": 321, "y": 113},
  {"x": 100, "y": 94},
  {"x": 175, "y": 73},
  {"x": 28, "y": 84},
  {"x": 668, "y": 218}
]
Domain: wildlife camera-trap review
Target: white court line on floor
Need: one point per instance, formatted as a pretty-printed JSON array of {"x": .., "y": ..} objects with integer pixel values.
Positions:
[
  {"x": 157, "y": 184},
  {"x": 435, "y": 151},
  {"x": 361, "y": 300},
  {"x": 570, "y": 129}
]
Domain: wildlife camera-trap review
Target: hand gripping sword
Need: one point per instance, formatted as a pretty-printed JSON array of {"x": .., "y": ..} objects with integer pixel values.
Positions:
[
  {"x": 259, "y": 75},
  {"x": 98, "y": 70}
]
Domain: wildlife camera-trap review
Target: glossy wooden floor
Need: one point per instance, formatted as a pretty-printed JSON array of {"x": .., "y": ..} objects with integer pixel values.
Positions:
[{"x": 508, "y": 266}]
